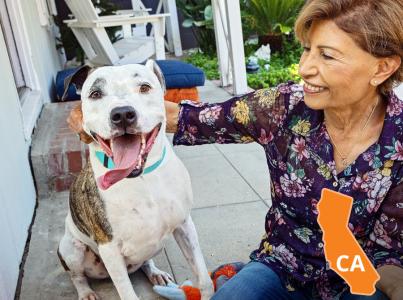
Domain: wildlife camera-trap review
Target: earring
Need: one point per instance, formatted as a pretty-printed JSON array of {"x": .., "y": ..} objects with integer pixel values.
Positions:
[{"x": 374, "y": 82}]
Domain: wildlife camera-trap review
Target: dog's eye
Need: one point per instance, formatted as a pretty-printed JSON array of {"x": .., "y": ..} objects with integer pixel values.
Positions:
[
  {"x": 145, "y": 88},
  {"x": 95, "y": 95}
]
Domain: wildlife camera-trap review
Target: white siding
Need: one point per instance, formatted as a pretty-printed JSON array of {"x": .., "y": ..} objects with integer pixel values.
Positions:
[
  {"x": 17, "y": 192},
  {"x": 43, "y": 45}
]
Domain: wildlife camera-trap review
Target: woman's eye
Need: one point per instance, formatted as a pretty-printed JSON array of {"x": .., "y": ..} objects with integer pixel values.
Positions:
[
  {"x": 145, "y": 88},
  {"x": 306, "y": 48},
  {"x": 325, "y": 56},
  {"x": 95, "y": 95}
]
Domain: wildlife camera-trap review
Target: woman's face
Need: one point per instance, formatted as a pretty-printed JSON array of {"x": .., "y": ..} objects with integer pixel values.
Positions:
[{"x": 336, "y": 72}]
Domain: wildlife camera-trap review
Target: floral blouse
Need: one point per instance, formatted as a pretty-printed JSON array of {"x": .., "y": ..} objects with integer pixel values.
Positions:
[{"x": 300, "y": 161}]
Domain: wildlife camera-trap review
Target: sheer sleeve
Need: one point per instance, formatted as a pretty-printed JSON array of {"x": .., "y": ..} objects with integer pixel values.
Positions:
[{"x": 254, "y": 117}]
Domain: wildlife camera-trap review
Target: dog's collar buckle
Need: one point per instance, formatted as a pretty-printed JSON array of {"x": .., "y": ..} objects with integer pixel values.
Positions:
[{"x": 108, "y": 163}]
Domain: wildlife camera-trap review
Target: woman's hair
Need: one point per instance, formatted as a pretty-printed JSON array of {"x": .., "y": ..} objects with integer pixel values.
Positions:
[{"x": 375, "y": 25}]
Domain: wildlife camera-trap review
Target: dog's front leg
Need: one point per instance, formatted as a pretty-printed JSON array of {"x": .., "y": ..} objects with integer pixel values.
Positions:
[
  {"x": 186, "y": 237},
  {"x": 116, "y": 266}
]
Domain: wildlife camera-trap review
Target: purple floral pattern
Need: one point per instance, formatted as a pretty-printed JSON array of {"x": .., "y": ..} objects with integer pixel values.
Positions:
[
  {"x": 300, "y": 160},
  {"x": 209, "y": 115}
]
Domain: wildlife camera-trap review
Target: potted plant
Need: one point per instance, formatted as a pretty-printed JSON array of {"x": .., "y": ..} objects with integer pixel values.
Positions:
[
  {"x": 199, "y": 16},
  {"x": 272, "y": 18}
]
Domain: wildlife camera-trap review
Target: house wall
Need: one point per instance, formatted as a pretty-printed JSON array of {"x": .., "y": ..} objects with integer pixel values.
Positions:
[
  {"x": 17, "y": 193},
  {"x": 17, "y": 190},
  {"x": 44, "y": 54}
]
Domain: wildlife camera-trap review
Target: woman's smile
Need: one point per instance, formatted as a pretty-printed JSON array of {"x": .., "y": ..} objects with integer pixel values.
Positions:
[{"x": 313, "y": 89}]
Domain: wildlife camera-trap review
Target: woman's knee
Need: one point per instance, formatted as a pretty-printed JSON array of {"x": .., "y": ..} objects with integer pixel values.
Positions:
[{"x": 255, "y": 281}]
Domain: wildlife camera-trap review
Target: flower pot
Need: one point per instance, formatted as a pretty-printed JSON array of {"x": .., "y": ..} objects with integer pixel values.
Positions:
[{"x": 275, "y": 41}]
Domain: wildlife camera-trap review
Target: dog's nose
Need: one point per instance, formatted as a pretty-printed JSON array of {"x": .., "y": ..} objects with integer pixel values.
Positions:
[{"x": 123, "y": 116}]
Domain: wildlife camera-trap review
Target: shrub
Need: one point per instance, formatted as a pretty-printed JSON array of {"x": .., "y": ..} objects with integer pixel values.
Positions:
[
  {"x": 208, "y": 63},
  {"x": 283, "y": 66},
  {"x": 273, "y": 16},
  {"x": 199, "y": 17}
]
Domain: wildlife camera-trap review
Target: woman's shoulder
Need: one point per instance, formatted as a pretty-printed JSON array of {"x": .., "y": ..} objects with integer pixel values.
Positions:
[
  {"x": 296, "y": 109},
  {"x": 395, "y": 106},
  {"x": 394, "y": 114},
  {"x": 284, "y": 89},
  {"x": 288, "y": 95}
]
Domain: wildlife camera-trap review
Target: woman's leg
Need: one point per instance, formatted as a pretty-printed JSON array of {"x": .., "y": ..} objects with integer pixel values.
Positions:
[
  {"x": 255, "y": 281},
  {"x": 377, "y": 296}
]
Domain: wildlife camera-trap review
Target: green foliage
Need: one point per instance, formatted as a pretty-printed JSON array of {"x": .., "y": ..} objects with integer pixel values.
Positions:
[
  {"x": 283, "y": 66},
  {"x": 272, "y": 16},
  {"x": 247, "y": 19},
  {"x": 108, "y": 8},
  {"x": 274, "y": 76},
  {"x": 208, "y": 63},
  {"x": 199, "y": 16}
]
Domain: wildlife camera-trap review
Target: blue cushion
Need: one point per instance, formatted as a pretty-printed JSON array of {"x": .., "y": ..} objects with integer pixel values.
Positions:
[
  {"x": 179, "y": 74},
  {"x": 71, "y": 94}
]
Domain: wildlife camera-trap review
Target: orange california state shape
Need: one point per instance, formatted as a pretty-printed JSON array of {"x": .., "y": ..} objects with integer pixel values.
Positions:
[{"x": 342, "y": 251}]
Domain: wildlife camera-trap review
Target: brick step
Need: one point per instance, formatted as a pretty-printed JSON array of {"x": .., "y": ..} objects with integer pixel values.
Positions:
[{"x": 57, "y": 154}]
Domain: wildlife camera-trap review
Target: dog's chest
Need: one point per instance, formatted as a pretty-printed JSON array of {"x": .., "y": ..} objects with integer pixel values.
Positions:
[{"x": 142, "y": 218}]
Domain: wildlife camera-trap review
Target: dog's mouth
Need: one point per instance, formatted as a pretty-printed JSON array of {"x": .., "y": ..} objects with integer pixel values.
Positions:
[{"x": 129, "y": 153}]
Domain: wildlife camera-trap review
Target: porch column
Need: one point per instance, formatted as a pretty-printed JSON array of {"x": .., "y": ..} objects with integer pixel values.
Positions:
[
  {"x": 230, "y": 48},
  {"x": 173, "y": 35}
]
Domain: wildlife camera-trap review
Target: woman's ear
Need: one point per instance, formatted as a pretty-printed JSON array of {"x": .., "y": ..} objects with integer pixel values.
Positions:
[{"x": 386, "y": 67}]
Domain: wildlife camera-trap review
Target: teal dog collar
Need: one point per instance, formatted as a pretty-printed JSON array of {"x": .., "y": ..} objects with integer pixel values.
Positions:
[{"x": 107, "y": 162}]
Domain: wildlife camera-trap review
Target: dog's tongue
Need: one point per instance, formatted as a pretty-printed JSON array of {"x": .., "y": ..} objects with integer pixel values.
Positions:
[{"x": 125, "y": 151}]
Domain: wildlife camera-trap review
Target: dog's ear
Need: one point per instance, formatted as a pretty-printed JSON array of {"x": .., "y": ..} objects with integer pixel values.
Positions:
[
  {"x": 153, "y": 66},
  {"x": 77, "y": 78}
]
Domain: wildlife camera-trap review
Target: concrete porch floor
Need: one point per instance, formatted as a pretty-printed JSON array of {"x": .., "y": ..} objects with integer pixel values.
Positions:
[{"x": 231, "y": 197}]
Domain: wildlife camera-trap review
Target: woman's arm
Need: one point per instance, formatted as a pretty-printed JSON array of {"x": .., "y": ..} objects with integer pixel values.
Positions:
[
  {"x": 172, "y": 113},
  {"x": 385, "y": 245},
  {"x": 254, "y": 117},
  {"x": 391, "y": 281}
]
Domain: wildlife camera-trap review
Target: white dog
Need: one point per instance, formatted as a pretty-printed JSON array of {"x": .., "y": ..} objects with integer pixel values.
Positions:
[{"x": 122, "y": 211}]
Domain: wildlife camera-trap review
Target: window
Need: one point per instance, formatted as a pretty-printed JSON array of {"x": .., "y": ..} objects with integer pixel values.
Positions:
[
  {"x": 19, "y": 51},
  {"x": 12, "y": 49}
]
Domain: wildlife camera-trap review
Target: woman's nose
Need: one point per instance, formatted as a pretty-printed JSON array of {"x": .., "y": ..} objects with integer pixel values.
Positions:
[{"x": 307, "y": 65}]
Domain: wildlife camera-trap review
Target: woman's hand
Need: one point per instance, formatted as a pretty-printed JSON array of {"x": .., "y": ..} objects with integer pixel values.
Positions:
[
  {"x": 75, "y": 121},
  {"x": 172, "y": 113},
  {"x": 391, "y": 282},
  {"x": 397, "y": 293}
]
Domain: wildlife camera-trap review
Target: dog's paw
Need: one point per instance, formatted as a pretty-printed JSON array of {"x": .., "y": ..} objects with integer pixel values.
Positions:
[
  {"x": 89, "y": 296},
  {"x": 158, "y": 277},
  {"x": 155, "y": 275}
]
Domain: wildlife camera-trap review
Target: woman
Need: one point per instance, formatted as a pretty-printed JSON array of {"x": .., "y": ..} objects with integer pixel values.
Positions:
[{"x": 341, "y": 130}]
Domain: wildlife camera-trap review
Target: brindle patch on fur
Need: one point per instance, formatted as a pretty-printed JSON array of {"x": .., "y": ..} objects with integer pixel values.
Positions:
[{"x": 87, "y": 208}]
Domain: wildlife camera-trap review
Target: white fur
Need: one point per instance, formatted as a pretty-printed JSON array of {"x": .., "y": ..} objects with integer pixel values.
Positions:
[
  {"x": 122, "y": 90},
  {"x": 143, "y": 211}
]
